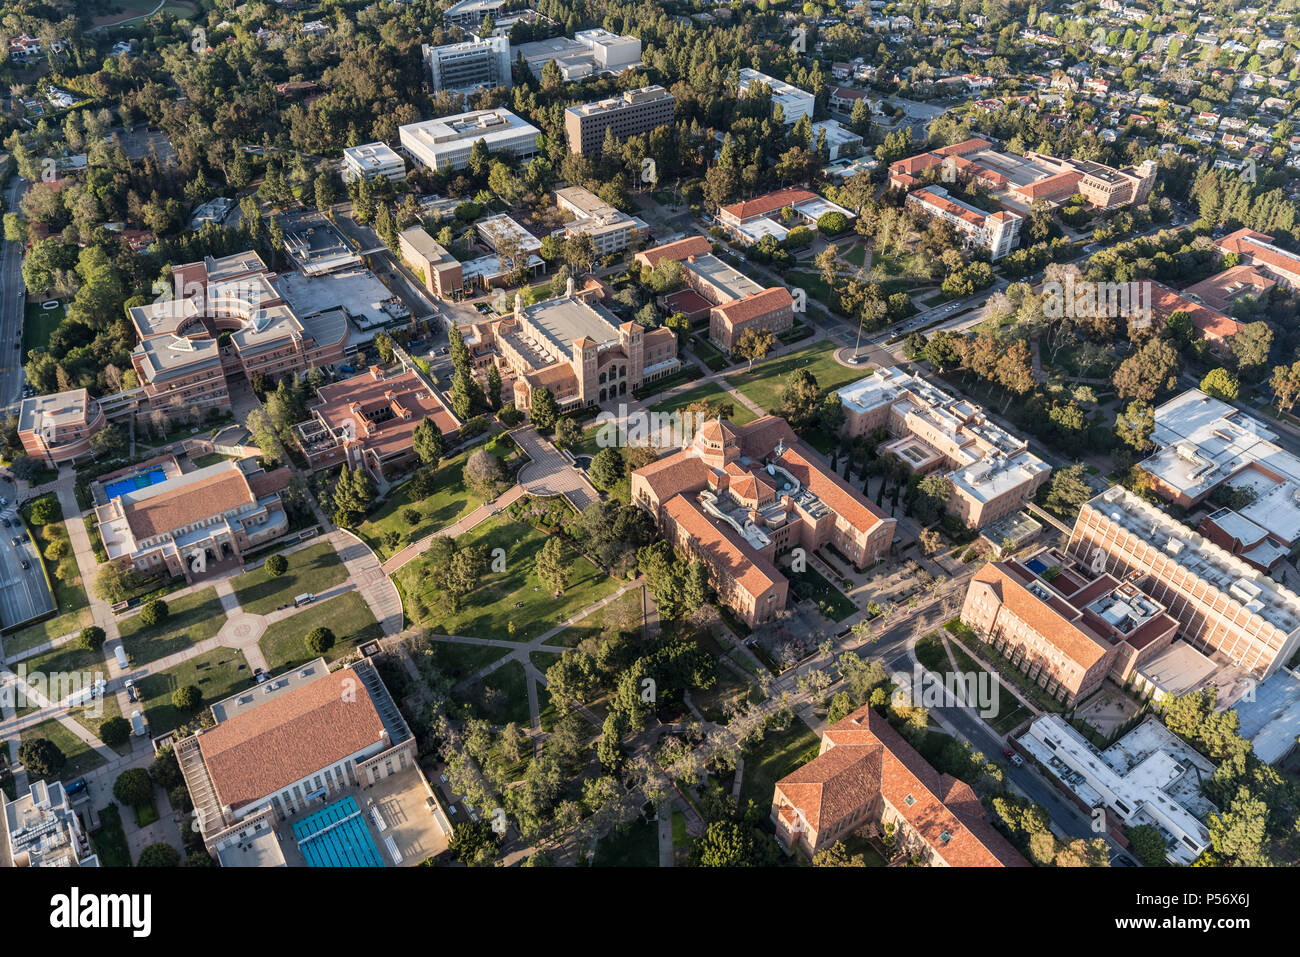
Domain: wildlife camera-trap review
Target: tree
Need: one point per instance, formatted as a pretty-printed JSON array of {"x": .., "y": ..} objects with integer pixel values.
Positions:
[
  {"x": 543, "y": 410},
  {"x": 725, "y": 844},
  {"x": 1134, "y": 426},
  {"x": 133, "y": 786},
  {"x": 753, "y": 345},
  {"x": 187, "y": 698},
  {"x": 154, "y": 612},
  {"x": 837, "y": 855},
  {"x": 1067, "y": 490},
  {"x": 1251, "y": 346},
  {"x": 1285, "y": 384},
  {"x": 1221, "y": 384},
  {"x": 91, "y": 638},
  {"x": 1240, "y": 833},
  {"x": 114, "y": 731},
  {"x": 801, "y": 400},
  {"x": 384, "y": 346},
  {"x": 474, "y": 843},
  {"x": 484, "y": 472},
  {"x": 115, "y": 581},
  {"x": 319, "y": 640},
  {"x": 41, "y": 757},
  {"x": 1148, "y": 844},
  {"x": 108, "y": 442},
  {"x": 427, "y": 442},
  {"x": 43, "y": 511},
  {"x": 1151, "y": 370},
  {"x": 159, "y": 855},
  {"x": 1082, "y": 852},
  {"x": 606, "y": 469},
  {"x": 567, "y": 432},
  {"x": 276, "y": 565},
  {"x": 554, "y": 566},
  {"x": 932, "y": 494}
]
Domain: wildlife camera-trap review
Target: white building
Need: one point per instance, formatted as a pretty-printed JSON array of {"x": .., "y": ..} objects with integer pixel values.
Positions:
[
  {"x": 44, "y": 831},
  {"x": 793, "y": 101},
  {"x": 840, "y": 140},
  {"x": 1149, "y": 776},
  {"x": 588, "y": 53},
  {"x": 371, "y": 161},
  {"x": 609, "y": 229},
  {"x": 469, "y": 66},
  {"x": 445, "y": 143},
  {"x": 471, "y": 13},
  {"x": 996, "y": 232}
]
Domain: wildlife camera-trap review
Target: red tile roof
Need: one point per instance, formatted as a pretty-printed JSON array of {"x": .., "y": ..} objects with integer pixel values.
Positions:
[
  {"x": 682, "y": 249},
  {"x": 764, "y": 205},
  {"x": 296, "y": 734},
  {"x": 842, "y": 499},
  {"x": 874, "y": 759},
  {"x": 733, "y": 559},
  {"x": 760, "y": 304}
]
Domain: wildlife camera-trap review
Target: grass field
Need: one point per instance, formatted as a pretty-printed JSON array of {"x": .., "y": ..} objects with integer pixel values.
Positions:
[
  {"x": 348, "y": 616},
  {"x": 515, "y": 594},
  {"x": 635, "y": 844},
  {"x": 713, "y": 394},
  {"x": 763, "y": 386},
  {"x": 450, "y": 500},
  {"x": 457, "y": 661},
  {"x": 108, "y": 709},
  {"x": 779, "y": 753},
  {"x": 81, "y": 756},
  {"x": 621, "y": 614},
  {"x": 217, "y": 674},
  {"x": 109, "y": 841},
  {"x": 501, "y": 696},
  {"x": 39, "y": 324},
  {"x": 833, "y": 603},
  {"x": 190, "y": 619},
  {"x": 313, "y": 569}
]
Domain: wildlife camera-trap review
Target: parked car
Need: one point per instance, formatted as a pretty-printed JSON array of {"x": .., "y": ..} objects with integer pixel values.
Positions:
[
  {"x": 15, "y": 541},
  {"x": 26, "y": 563},
  {"x": 131, "y": 693},
  {"x": 1014, "y": 758},
  {"x": 76, "y": 787},
  {"x": 6, "y": 522},
  {"x": 260, "y": 675}
]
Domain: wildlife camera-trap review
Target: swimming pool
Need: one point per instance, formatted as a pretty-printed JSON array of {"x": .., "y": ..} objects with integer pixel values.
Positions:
[
  {"x": 134, "y": 483},
  {"x": 1036, "y": 565},
  {"x": 336, "y": 836}
]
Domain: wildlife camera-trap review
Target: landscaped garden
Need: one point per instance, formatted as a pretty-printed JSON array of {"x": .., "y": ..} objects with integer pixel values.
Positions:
[
  {"x": 348, "y": 616},
  {"x": 714, "y": 395},
  {"x": 190, "y": 619},
  {"x": 763, "y": 386},
  {"x": 450, "y": 499},
  {"x": 315, "y": 569},
  {"x": 81, "y": 756},
  {"x": 779, "y": 753},
  {"x": 514, "y": 595},
  {"x": 217, "y": 674}
]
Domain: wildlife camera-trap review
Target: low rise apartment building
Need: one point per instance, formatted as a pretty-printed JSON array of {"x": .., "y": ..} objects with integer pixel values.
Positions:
[
  {"x": 57, "y": 428},
  {"x": 630, "y": 114},
  {"x": 372, "y": 161},
  {"x": 368, "y": 422},
  {"x": 738, "y": 496},
  {"x": 192, "y": 522},
  {"x": 610, "y": 230},
  {"x": 794, "y": 102},
  {"x": 750, "y": 220},
  {"x": 990, "y": 472},
  {"x": 866, "y": 776}
]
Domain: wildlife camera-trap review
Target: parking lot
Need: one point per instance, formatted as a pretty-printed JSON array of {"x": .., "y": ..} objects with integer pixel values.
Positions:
[{"x": 24, "y": 594}]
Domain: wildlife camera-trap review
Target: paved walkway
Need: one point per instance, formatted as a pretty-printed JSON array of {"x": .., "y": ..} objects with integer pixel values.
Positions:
[{"x": 458, "y": 527}]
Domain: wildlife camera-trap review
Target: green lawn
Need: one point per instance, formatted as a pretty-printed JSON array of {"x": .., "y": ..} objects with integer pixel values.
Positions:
[
  {"x": 313, "y": 569},
  {"x": 191, "y": 618},
  {"x": 501, "y": 696},
  {"x": 217, "y": 674},
  {"x": 621, "y": 614},
  {"x": 109, "y": 841},
  {"x": 713, "y": 394},
  {"x": 348, "y": 616},
  {"x": 729, "y": 688},
  {"x": 39, "y": 324},
  {"x": 457, "y": 661},
  {"x": 763, "y": 386},
  {"x": 450, "y": 500},
  {"x": 81, "y": 756},
  {"x": 635, "y": 844},
  {"x": 211, "y": 458},
  {"x": 64, "y": 660},
  {"x": 708, "y": 353},
  {"x": 107, "y": 708},
  {"x": 485, "y": 611},
  {"x": 689, "y": 373},
  {"x": 779, "y": 753}
]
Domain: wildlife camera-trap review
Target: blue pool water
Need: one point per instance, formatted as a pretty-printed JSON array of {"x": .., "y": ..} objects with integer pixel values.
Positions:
[
  {"x": 1036, "y": 565},
  {"x": 144, "y": 480},
  {"x": 336, "y": 836}
]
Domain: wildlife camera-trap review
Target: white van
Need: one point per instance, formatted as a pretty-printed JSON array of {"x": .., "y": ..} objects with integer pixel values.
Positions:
[
  {"x": 306, "y": 598},
  {"x": 120, "y": 654},
  {"x": 139, "y": 726}
]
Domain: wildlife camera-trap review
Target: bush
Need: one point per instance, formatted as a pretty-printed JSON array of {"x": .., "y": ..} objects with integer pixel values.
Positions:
[
  {"x": 114, "y": 731},
  {"x": 276, "y": 565},
  {"x": 411, "y": 516},
  {"x": 154, "y": 612},
  {"x": 43, "y": 511},
  {"x": 56, "y": 549},
  {"x": 187, "y": 698},
  {"x": 319, "y": 640},
  {"x": 159, "y": 855},
  {"x": 133, "y": 786},
  {"x": 832, "y": 223},
  {"x": 91, "y": 638}
]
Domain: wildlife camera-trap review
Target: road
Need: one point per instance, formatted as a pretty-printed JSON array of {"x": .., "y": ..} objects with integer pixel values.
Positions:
[
  {"x": 23, "y": 591},
  {"x": 12, "y": 298}
]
